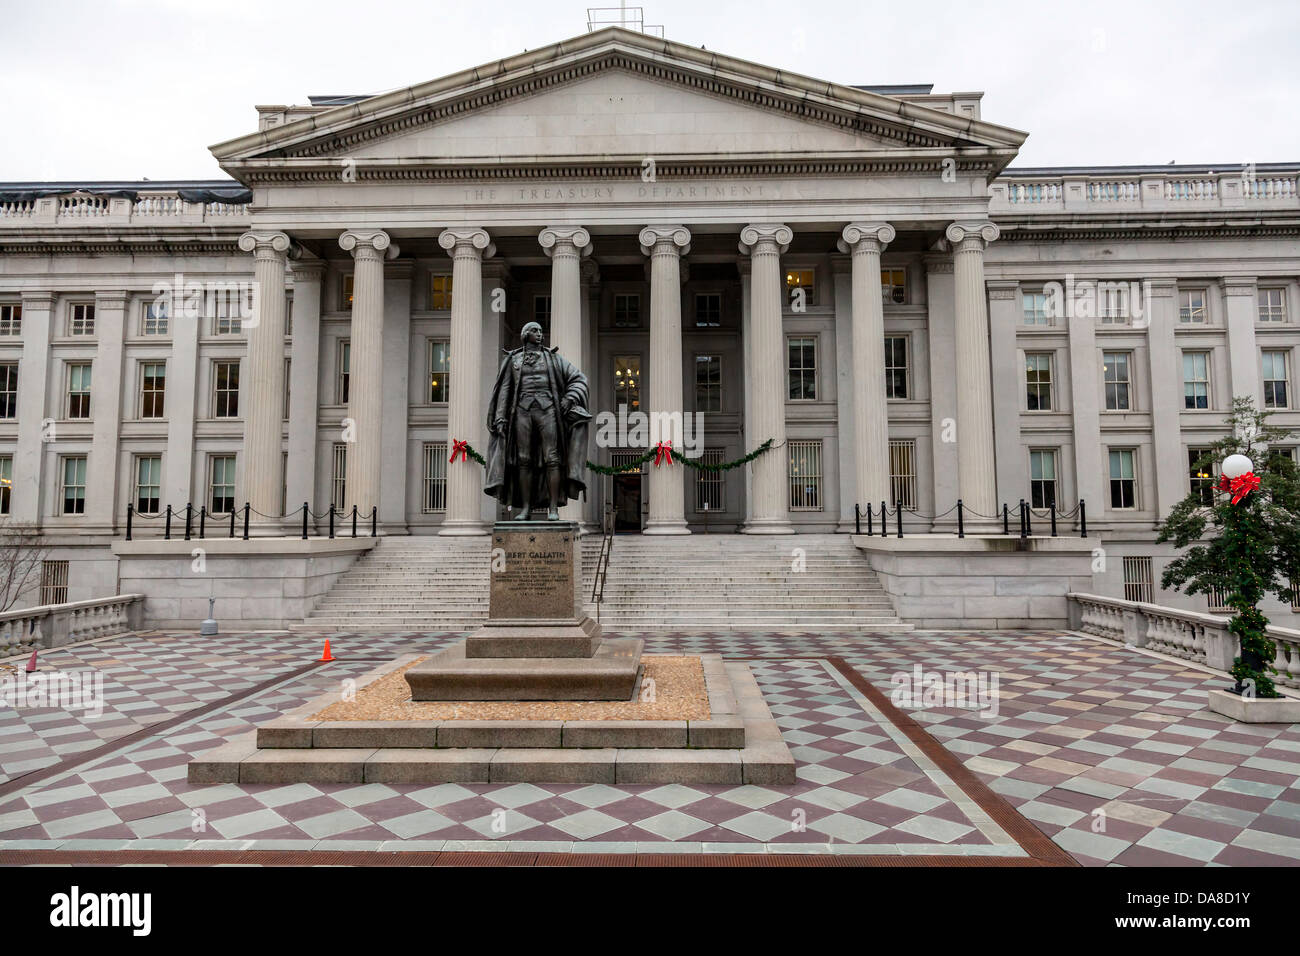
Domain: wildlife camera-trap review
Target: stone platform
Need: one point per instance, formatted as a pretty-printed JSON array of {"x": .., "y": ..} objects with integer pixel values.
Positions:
[
  {"x": 739, "y": 743},
  {"x": 455, "y": 674}
]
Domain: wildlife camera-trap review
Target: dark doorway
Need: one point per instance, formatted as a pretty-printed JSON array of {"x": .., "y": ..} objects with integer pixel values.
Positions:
[{"x": 627, "y": 503}]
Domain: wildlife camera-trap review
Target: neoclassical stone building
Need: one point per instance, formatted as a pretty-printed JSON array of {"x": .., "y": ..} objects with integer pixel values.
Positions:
[{"x": 852, "y": 272}]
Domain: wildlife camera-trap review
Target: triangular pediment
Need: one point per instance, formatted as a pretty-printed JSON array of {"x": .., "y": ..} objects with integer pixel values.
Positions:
[{"x": 617, "y": 96}]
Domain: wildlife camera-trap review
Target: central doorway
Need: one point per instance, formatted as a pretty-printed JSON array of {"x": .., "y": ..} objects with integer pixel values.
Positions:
[{"x": 627, "y": 492}]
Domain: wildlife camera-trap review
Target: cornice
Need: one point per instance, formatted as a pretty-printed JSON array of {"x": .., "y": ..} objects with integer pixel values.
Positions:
[
  {"x": 1114, "y": 232},
  {"x": 111, "y": 247}
]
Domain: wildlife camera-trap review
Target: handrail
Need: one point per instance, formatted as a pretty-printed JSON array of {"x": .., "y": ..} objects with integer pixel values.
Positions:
[{"x": 602, "y": 560}]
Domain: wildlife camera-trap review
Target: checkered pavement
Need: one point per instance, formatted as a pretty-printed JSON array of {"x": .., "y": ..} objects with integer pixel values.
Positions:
[{"x": 1108, "y": 751}]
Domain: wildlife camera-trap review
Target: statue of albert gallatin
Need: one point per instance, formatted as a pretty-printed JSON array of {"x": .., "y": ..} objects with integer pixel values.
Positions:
[{"x": 538, "y": 421}]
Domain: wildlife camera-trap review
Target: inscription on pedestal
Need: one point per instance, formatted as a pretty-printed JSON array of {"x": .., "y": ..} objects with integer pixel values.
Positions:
[{"x": 534, "y": 571}]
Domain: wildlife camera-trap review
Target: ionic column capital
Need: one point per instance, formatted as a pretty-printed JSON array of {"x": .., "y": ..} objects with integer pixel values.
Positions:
[
  {"x": 559, "y": 240},
  {"x": 970, "y": 235},
  {"x": 368, "y": 243},
  {"x": 866, "y": 237},
  {"x": 665, "y": 240},
  {"x": 266, "y": 245},
  {"x": 468, "y": 242},
  {"x": 765, "y": 237}
]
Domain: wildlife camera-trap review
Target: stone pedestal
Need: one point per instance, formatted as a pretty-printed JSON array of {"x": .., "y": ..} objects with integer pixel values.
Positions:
[{"x": 537, "y": 643}]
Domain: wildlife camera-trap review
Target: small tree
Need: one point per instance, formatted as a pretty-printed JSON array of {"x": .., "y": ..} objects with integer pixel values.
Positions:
[
  {"x": 22, "y": 552},
  {"x": 1254, "y": 546}
]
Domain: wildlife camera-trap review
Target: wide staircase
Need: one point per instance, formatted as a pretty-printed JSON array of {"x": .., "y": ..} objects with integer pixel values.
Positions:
[
  {"x": 776, "y": 582},
  {"x": 750, "y": 582}
]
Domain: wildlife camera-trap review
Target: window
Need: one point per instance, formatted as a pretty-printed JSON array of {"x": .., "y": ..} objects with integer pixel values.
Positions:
[
  {"x": 1216, "y": 600},
  {"x": 72, "y": 490},
  {"x": 1273, "y": 306},
  {"x": 896, "y": 367},
  {"x": 1038, "y": 381},
  {"x": 708, "y": 309},
  {"x": 11, "y": 320},
  {"x": 439, "y": 370},
  {"x": 435, "y": 477},
  {"x": 1275, "y": 379},
  {"x": 79, "y": 390},
  {"x": 345, "y": 291},
  {"x": 225, "y": 307},
  {"x": 153, "y": 320},
  {"x": 708, "y": 383},
  {"x": 893, "y": 286},
  {"x": 81, "y": 319},
  {"x": 153, "y": 389},
  {"x": 225, "y": 389},
  {"x": 805, "y": 475},
  {"x": 802, "y": 365},
  {"x": 1123, "y": 483},
  {"x": 6, "y": 483},
  {"x": 1042, "y": 478},
  {"x": 1138, "y": 580},
  {"x": 221, "y": 484},
  {"x": 440, "y": 293},
  {"x": 799, "y": 285},
  {"x": 1113, "y": 303},
  {"x": 1196, "y": 379},
  {"x": 902, "y": 473},
  {"x": 54, "y": 582},
  {"x": 344, "y": 372},
  {"x": 627, "y": 381},
  {"x": 288, "y": 323},
  {"x": 1191, "y": 306},
  {"x": 148, "y": 484},
  {"x": 542, "y": 312},
  {"x": 709, "y": 484},
  {"x": 288, "y": 381},
  {"x": 1034, "y": 306},
  {"x": 627, "y": 311},
  {"x": 1294, "y": 584},
  {"x": 1201, "y": 475},
  {"x": 339, "y": 475},
  {"x": 1115, "y": 371},
  {"x": 8, "y": 389}
]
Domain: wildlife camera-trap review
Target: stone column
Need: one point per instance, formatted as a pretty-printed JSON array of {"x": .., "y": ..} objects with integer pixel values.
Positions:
[
  {"x": 264, "y": 416},
  {"x": 566, "y": 245},
  {"x": 395, "y": 480},
  {"x": 870, "y": 436},
  {"x": 106, "y": 409},
  {"x": 35, "y": 426},
  {"x": 940, "y": 338},
  {"x": 1241, "y": 297},
  {"x": 467, "y": 248},
  {"x": 304, "y": 386},
  {"x": 181, "y": 405},
  {"x": 369, "y": 248},
  {"x": 1086, "y": 393},
  {"x": 765, "y": 371},
  {"x": 590, "y": 272},
  {"x": 496, "y": 277},
  {"x": 665, "y": 245},
  {"x": 976, "y": 477},
  {"x": 842, "y": 276},
  {"x": 1005, "y": 316},
  {"x": 1166, "y": 386}
]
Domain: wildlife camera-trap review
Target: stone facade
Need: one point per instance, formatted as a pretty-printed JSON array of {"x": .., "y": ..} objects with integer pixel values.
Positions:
[{"x": 851, "y": 272}]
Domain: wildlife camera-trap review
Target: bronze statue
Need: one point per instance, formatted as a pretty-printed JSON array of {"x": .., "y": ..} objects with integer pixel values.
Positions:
[{"x": 538, "y": 421}]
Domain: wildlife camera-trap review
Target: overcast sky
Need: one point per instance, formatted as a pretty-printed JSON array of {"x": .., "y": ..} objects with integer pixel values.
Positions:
[{"x": 129, "y": 89}]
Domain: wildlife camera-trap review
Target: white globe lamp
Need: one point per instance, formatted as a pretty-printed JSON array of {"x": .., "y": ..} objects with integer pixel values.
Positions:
[{"x": 1234, "y": 466}]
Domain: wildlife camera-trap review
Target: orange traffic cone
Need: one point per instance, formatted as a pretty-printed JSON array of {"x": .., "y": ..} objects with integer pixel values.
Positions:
[
  {"x": 31, "y": 664},
  {"x": 325, "y": 655}
]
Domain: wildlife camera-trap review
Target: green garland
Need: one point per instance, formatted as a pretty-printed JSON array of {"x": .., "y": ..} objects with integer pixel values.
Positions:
[{"x": 633, "y": 465}]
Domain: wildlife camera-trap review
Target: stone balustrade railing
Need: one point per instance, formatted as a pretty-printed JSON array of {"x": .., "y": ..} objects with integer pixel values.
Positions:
[
  {"x": 147, "y": 209},
  {"x": 1190, "y": 635},
  {"x": 1047, "y": 194},
  {"x": 54, "y": 624}
]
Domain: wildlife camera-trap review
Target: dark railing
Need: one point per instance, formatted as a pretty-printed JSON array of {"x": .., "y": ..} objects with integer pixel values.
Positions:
[
  {"x": 602, "y": 560},
  {"x": 241, "y": 519},
  {"x": 1025, "y": 514}
]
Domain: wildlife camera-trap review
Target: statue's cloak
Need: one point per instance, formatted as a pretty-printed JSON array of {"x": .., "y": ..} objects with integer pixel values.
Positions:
[{"x": 502, "y": 478}]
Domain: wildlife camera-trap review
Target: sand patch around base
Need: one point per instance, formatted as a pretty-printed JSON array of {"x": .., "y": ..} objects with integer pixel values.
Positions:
[{"x": 679, "y": 694}]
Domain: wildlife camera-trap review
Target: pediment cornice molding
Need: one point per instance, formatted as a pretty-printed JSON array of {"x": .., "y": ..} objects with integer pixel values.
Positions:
[{"x": 897, "y": 124}]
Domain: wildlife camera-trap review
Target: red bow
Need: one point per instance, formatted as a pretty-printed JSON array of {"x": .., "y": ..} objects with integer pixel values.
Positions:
[
  {"x": 1240, "y": 486},
  {"x": 459, "y": 448},
  {"x": 663, "y": 453}
]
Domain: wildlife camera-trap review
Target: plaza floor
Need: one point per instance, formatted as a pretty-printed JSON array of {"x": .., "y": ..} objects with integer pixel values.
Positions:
[{"x": 1096, "y": 755}]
